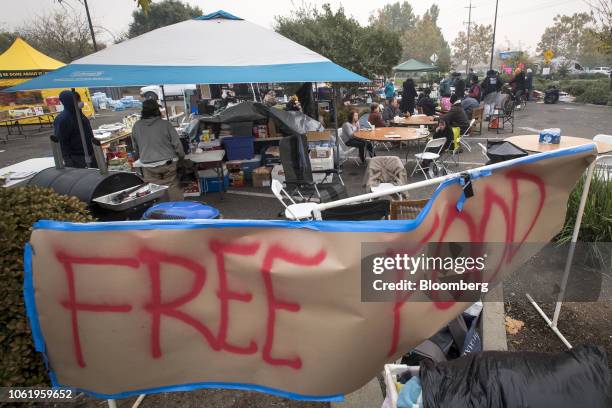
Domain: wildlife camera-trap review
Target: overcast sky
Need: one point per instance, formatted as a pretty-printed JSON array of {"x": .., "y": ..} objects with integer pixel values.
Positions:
[{"x": 520, "y": 22}]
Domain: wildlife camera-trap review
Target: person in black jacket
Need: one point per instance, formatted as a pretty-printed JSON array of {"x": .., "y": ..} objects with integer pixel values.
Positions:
[
  {"x": 456, "y": 117},
  {"x": 459, "y": 85},
  {"x": 426, "y": 103},
  {"x": 66, "y": 129},
  {"x": 408, "y": 94},
  {"x": 491, "y": 86}
]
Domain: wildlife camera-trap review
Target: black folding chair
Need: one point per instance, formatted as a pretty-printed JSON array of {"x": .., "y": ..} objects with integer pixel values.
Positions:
[
  {"x": 365, "y": 211},
  {"x": 299, "y": 175}
]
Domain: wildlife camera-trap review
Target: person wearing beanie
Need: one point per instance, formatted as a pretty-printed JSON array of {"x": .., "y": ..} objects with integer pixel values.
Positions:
[{"x": 158, "y": 147}]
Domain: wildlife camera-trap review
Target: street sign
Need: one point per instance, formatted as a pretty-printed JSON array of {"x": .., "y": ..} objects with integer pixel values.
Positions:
[
  {"x": 548, "y": 55},
  {"x": 434, "y": 57}
]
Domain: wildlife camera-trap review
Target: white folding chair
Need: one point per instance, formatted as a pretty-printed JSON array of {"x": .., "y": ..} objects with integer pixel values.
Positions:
[
  {"x": 347, "y": 152},
  {"x": 434, "y": 157},
  {"x": 294, "y": 211},
  {"x": 483, "y": 150}
]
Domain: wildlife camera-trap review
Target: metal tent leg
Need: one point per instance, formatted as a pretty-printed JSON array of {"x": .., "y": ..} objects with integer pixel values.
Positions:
[
  {"x": 113, "y": 404},
  {"x": 570, "y": 257}
]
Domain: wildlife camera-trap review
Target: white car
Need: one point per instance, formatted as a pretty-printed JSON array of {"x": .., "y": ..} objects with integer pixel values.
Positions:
[
  {"x": 600, "y": 70},
  {"x": 174, "y": 90}
]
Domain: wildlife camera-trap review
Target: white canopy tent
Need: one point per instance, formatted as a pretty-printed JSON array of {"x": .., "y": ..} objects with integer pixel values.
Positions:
[{"x": 213, "y": 49}]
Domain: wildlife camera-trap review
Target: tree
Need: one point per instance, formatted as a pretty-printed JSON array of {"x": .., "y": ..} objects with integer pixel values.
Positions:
[
  {"x": 481, "y": 37},
  {"x": 6, "y": 39},
  {"x": 62, "y": 36},
  {"x": 368, "y": 51},
  {"x": 567, "y": 36},
  {"x": 426, "y": 39},
  {"x": 397, "y": 17},
  {"x": 602, "y": 32},
  {"x": 160, "y": 15}
]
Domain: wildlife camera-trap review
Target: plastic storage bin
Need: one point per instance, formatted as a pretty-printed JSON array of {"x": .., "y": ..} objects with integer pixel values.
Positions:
[
  {"x": 391, "y": 370},
  {"x": 238, "y": 147}
]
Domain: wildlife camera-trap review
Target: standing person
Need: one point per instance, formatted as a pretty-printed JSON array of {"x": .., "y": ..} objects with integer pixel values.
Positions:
[
  {"x": 375, "y": 117},
  {"x": 348, "y": 136},
  {"x": 491, "y": 86},
  {"x": 66, "y": 128},
  {"x": 445, "y": 87},
  {"x": 475, "y": 90},
  {"x": 408, "y": 94},
  {"x": 456, "y": 117},
  {"x": 426, "y": 103},
  {"x": 389, "y": 90},
  {"x": 391, "y": 111},
  {"x": 529, "y": 83},
  {"x": 459, "y": 85},
  {"x": 159, "y": 148}
]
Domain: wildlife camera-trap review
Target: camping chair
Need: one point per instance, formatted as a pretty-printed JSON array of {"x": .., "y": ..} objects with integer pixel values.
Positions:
[
  {"x": 365, "y": 211},
  {"x": 504, "y": 115},
  {"x": 435, "y": 144},
  {"x": 459, "y": 143},
  {"x": 347, "y": 152},
  {"x": 298, "y": 173},
  {"x": 483, "y": 150},
  {"x": 293, "y": 211},
  {"x": 406, "y": 209},
  {"x": 384, "y": 172},
  {"x": 478, "y": 115}
]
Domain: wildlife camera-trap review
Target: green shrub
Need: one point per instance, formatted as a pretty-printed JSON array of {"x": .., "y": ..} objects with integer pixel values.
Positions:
[
  {"x": 597, "y": 218},
  {"x": 594, "y": 94},
  {"x": 21, "y": 365}
]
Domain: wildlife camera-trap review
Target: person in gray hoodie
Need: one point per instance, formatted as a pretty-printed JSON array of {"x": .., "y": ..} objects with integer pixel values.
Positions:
[{"x": 159, "y": 148}]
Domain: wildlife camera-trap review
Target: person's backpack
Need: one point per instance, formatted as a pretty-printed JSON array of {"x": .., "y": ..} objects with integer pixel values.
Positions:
[{"x": 456, "y": 339}]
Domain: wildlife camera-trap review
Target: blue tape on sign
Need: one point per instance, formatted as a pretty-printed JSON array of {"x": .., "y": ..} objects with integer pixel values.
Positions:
[
  {"x": 222, "y": 385},
  {"x": 29, "y": 300}
]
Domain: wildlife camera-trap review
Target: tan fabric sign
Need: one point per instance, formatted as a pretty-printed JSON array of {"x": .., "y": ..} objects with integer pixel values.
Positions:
[{"x": 127, "y": 307}]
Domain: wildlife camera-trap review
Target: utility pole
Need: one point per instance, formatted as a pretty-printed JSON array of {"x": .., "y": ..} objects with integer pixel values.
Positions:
[
  {"x": 91, "y": 29},
  {"x": 469, "y": 23},
  {"x": 494, "y": 29}
]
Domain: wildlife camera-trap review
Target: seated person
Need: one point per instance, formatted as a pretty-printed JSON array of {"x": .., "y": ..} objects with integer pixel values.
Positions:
[
  {"x": 363, "y": 121},
  {"x": 348, "y": 136},
  {"x": 391, "y": 110},
  {"x": 426, "y": 103},
  {"x": 375, "y": 117},
  {"x": 456, "y": 116},
  {"x": 475, "y": 90},
  {"x": 468, "y": 104}
]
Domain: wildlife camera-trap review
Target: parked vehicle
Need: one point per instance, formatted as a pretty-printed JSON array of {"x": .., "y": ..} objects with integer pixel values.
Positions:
[
  {"x": 173, "y": 90},
  {"x": 599, "y": 70}
]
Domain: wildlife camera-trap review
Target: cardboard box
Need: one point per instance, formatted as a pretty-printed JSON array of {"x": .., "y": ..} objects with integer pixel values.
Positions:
[
  {"x": 321, "y": 153},
  {"x": 318, "y": 136},
  {"x": 262, "y": 177}
]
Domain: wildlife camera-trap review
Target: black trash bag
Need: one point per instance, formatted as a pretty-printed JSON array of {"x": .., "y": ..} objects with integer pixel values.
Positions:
[
  {"x": 495, "y": 379},
  {"x": 499, "y": 151}
]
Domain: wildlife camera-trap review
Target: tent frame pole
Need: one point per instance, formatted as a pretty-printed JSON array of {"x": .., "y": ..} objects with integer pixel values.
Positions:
[
  {"x": 81, "y": 128},
  {"x": 570, "y": 257},
  {"x": 336, "y": 142},
  {"x": 165, "y": 104}
]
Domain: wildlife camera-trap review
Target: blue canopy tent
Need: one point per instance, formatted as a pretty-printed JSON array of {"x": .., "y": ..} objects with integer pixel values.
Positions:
[{"x": 216, "y": 48}]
